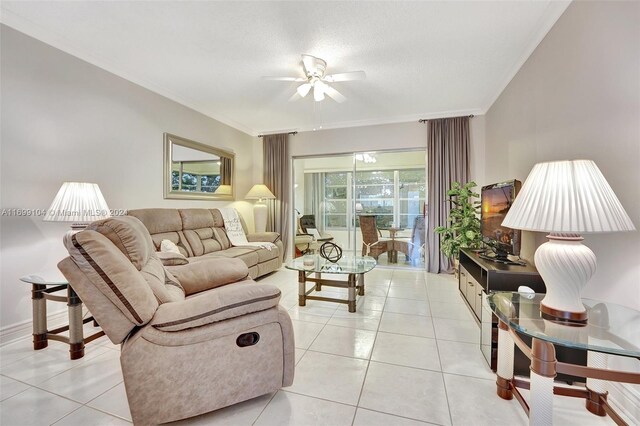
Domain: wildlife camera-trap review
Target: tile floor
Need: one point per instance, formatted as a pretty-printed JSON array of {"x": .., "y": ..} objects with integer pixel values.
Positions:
[{"x": 408, "y": 356}]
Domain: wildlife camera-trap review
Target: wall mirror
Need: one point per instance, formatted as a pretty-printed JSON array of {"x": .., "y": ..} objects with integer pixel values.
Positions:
[{"x": 197, "y": 171}]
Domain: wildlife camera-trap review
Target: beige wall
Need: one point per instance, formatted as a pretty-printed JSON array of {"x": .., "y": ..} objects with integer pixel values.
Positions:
[
  {"x": 578, "y": 96},
  {"x": 64, "y": 119}
]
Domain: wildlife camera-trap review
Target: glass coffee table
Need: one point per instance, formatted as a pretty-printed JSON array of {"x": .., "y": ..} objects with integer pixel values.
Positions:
[{"x": 353, "y": 266}]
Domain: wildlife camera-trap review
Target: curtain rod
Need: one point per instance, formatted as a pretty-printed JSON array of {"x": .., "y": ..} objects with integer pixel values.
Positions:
[
  {"x": 289, "y": 133},
  {"x": 424, "y": 120}
]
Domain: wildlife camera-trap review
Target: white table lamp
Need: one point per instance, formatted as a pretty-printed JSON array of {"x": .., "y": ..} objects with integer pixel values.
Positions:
[
  {"x": 566, "y": 199},
  {"x": 260, "y": 192},
  {"x": 78, "y": 202}
]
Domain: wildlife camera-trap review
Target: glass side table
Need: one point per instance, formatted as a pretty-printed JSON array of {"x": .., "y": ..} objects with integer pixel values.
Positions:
[
  {"x": 41, "y": 291},
  {"x": 353, "y": 266},
  {"x": 610, "y": 330}
]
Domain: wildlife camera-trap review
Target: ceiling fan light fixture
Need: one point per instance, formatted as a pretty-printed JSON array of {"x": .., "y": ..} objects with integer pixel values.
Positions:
[
  {"x": 303, "y": 89},
  {"x": 318, "y": 91}
]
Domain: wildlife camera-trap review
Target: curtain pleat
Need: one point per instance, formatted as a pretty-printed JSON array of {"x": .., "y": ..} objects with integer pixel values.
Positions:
[
  {"x": 447, "y": 162},
  {"x": 225, "y": 171},
  {"x": 277, "y": 177}
]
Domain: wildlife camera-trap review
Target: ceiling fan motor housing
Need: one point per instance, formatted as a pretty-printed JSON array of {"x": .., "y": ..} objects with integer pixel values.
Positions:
[{"x": 318, "y": 69}]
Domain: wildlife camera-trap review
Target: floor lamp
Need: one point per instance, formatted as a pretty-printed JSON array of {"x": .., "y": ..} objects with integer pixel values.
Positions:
[{"x": 260, "y": 192}]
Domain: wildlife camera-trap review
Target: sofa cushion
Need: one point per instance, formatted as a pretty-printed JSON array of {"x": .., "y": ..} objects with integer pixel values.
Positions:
[
  {"x": 196, "y": 218},
  {"x": 248, "y": 255},
  {"x": 113, "y": 274},
  {"x": 129, "y": 235},
  {"x": 158, "y": 221},
  {"x": 213, "y": 306},
  {"x": 171, "y": 258},
  {"x": 208, "y": 272}
]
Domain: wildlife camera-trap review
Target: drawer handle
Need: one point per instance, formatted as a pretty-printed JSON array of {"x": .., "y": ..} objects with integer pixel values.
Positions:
[
  {"x": 247, "y": 339},
  {"x": 470, "y": 283}
]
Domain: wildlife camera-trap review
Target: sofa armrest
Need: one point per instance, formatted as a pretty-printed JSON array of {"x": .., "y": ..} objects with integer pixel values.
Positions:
[
  {"x": 209, "y": 273},
  {"x": 270, "y": 237},
  {"x": 216, "y": 305}
]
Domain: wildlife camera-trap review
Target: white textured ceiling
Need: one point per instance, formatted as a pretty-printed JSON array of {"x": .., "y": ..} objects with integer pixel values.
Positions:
[{"x": 422, "y": 59}]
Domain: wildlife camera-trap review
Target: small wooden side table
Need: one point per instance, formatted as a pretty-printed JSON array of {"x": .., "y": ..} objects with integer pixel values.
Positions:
[{"x": 41, "y": 291}]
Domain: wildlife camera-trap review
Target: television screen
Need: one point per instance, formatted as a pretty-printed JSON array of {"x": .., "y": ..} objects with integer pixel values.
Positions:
[{"x": 496, "y": 200}]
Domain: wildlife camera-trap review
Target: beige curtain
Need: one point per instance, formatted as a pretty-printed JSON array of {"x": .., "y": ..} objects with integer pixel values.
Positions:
[
  {"x": 447, "y": 161},
  {"x": 277, "y": 177},
  {"x": 225, "y": 171}
]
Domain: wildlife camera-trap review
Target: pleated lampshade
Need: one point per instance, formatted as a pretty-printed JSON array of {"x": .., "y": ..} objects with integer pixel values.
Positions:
[
  {"x": 78, "y": 202},
  {"x": 568, "y": 197}
]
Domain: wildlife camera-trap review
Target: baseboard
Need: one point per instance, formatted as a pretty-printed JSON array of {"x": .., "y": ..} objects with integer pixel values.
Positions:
[
  {"x": 24, "y": 329},
  {"x": 625, "y": 399}
]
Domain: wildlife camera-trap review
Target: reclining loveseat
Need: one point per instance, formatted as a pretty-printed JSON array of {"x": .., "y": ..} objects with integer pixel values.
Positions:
[{"x": 199, "y": 338}]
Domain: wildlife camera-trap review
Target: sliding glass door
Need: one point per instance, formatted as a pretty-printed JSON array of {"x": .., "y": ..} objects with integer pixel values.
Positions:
[{"x": 388, "y": 188}]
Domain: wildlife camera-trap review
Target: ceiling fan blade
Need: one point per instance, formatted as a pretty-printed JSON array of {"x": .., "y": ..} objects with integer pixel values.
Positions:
[
  {"x": 345, "y": 76},
  {"x": 334, "y": 94},
  {"x": 295, "y": 97},
  {"x": 318, "y": 92},
  {"x": 284, "y": 78},
  {"x": 303, "y": 89}
]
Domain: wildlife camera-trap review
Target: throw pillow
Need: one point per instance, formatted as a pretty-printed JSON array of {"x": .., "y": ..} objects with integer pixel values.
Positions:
[{"x": 169, "y": 246}]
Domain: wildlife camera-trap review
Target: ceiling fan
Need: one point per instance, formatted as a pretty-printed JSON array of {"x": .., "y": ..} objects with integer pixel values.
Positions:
[{"x": 314, "y": 70}]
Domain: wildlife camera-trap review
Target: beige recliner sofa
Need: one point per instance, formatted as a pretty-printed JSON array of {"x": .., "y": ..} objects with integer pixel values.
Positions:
[
  {"x": 203, "y": 337},
  {"x": 200, "y": 234}
]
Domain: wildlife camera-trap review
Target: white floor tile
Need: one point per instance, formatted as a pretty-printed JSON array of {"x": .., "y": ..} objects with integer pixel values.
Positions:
[
  {"x": 305, "y": 333},
  {"x": 311, "y": 314},
  {"x": 410, "y": 351},
  {"x": 23, "y": 348},
  {"x": 89, "y": 416},
  {"x": 361, "y": 319},
  {"x": 374, "y": 418},
  {"x": 291, "y": 409},
  {"x": 413, "y": 325},
  {"x": 370, "y": 303},
  {"x": 10, "y": 387},
  {"x": 401, "y": 292},
  {"x": 465, "y": 359},
  {"x": 456, "y": 330},
  {"x": 88, "y": 380},
  {"x": 474, "y": 401},
  {"x": 331, "y": 377},
  {"x": 35, "y": 407},
  {"x": 453, "y": 310},
  {"x": 114, "y": 401},
  {"x": 406, "y": 306},
  {"x": 344, "y": 341},
  {"x": 241, "y": 414},
  {"x": 407, "y": 392},
  {"x": 299, "y": 354},
  {"x": 44, "y": 364}
]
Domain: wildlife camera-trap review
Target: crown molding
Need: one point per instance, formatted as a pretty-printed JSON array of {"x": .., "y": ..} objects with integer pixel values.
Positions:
[{"x": 383, "y": 121}]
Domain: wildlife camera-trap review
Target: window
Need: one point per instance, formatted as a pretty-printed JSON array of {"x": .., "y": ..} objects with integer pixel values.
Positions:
[
  {"x": 194, "y": 182},
  {"x": 394, "y": 196},
  {"x": 335, "y": 199}
]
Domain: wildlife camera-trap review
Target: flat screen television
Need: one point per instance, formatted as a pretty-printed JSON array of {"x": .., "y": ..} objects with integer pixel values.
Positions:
[{"x": 496, "y": 200}]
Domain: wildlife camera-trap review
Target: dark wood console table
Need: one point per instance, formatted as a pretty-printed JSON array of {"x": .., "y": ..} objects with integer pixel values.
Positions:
[{"x": 478, "y": 277}]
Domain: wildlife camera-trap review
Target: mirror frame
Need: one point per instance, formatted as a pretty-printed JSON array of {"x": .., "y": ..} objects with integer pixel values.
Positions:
[{"x": 169, "y": 141}]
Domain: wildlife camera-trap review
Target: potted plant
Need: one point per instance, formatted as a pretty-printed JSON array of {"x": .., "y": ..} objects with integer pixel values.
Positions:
[{"x": 463, "y": 228}]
